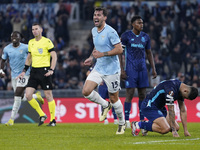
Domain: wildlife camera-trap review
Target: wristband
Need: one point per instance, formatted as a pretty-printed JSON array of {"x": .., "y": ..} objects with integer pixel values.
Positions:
[
  {"x": 105, "y": 53},
  {"x": 51, "y": 70},
  {"x": 25, "y": 68}
]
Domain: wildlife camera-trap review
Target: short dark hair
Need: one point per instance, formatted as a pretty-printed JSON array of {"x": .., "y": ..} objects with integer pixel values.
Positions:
[
  {"x": 193, "y": 93},
  {"x": 21, "y": 35},
  {"x": 36, "y": 23},
  {"x": 105, "y": 12},
  {"x": 135, "y": 18},
  {"x": 17, "y": 32}
]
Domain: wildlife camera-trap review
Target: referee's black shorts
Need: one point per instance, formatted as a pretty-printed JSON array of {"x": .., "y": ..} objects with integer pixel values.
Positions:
[{"x": 37, "y": 78}]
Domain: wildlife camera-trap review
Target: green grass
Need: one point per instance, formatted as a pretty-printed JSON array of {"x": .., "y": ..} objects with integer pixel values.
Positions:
[{"x": 93, "y": 136}]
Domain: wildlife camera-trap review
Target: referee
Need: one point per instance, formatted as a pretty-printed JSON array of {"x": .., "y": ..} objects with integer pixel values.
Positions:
[{"x": 42, "y": 57}]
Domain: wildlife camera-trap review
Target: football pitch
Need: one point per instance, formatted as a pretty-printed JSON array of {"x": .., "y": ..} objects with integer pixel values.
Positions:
[{"x": 91, "y": 136}]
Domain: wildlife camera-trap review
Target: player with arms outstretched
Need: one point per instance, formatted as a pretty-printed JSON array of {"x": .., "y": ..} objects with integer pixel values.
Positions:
[{"x": 153, "y": 107}]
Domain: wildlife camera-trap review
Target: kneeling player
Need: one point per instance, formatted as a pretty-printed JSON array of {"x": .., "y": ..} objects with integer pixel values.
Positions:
[{"x": 153, "y": 108}]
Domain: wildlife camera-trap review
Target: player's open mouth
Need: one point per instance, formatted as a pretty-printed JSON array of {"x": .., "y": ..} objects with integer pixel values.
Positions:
[{"x": 96, "y": 21}]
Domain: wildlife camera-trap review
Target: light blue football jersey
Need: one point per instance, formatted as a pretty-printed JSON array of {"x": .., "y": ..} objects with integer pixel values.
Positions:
[
  {"x": 17, "y": 58},
  {"x": 104, "y": 41}
]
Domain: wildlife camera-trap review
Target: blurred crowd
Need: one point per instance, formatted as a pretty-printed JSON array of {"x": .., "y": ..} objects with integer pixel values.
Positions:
[{"x": 174, "y": 31}]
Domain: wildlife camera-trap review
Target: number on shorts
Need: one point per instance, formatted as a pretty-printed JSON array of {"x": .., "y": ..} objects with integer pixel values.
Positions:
[
  {"x": 115, "y": 84},
  {"x": 22, "y": 80}
]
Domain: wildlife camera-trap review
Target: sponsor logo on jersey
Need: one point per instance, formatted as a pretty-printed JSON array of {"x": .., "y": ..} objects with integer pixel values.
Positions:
[{"x": 137, "y": 45}]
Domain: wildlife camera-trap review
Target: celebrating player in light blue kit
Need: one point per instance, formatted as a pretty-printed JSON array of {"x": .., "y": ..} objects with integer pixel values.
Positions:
[
  {"x": 103, "y": 92},
  {"x": 136, "y": 44},
  {"x": 17, "y": 52},
  {"x": 153, "y": 107},
  {"x": 107, "y": 46}
]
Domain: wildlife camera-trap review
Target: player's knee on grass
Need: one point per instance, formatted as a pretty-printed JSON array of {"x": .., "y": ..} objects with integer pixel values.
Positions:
[{"x": 165, "y": 130}]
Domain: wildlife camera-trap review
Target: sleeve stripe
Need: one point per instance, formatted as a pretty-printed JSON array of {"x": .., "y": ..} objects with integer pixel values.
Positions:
[{"x": 52, "y": 49}]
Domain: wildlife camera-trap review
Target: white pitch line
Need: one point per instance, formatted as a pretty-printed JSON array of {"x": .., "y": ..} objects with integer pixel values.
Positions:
[{"x": 163, "y": 141}]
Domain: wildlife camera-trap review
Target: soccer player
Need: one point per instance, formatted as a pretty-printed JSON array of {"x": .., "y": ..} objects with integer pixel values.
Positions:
[
  {"x": 103, "y": 92},
  {"x": 43, "y": 58},
  {"x": 107, "y": 47},
  {"x": 136, "y": 44},
  {"x": 16, "y": 52},
  {"x": 153, "y": 107}
]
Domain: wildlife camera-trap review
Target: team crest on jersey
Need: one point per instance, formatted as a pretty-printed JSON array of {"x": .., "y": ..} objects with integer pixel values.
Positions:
[
  {"x": 102, "y": 37},
  {"x": 143, "y": 39},
  {"x": 21, "y": 51},
  {"x": 40, "y": 50}
]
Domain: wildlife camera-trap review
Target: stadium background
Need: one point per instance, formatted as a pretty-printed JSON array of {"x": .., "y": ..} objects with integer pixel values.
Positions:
[{"x": 174, "y": 28}]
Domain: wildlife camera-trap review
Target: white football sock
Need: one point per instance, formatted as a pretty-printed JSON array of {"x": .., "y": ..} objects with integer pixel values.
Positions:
[
  {"x": 119, "y": 111},
  {"x": 95, "y": 97},
  {"x": 16, "y": 105},
  {"x": 34, "y": 96}
]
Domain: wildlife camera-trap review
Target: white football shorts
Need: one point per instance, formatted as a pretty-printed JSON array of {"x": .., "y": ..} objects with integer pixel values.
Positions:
[
  {"x": 112, "y": 81},
  {"x": 19, "y": 82}
]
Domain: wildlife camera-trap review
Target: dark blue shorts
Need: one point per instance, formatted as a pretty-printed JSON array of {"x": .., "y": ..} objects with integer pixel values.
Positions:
[
  {"x": 152, "y": 113},
  {"x": 136, "y": 79},
  {"x": 103, "y": 91}
]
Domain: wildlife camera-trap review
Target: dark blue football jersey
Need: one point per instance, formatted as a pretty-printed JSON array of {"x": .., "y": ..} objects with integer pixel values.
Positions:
[
  {"x": 135, "y": 49},
  {"x": 164, "y": 94}
]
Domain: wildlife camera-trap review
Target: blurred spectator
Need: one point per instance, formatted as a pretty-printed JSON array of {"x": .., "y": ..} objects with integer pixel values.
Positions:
[
  {"x": 181, "y": 77},
  {"x": 62, "y": 23},
  {"x": 61, "y": 84},
  {"x": 73, "y": 83},
  {"x": 7, "y": 27},
  {"x": 60, "y": 31},
  {"x": 176, "y": 59},
  {"x": 73, "y": 70},
  {"x": 17, "y": 22},
  {"x": 130, "y": 15}
]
